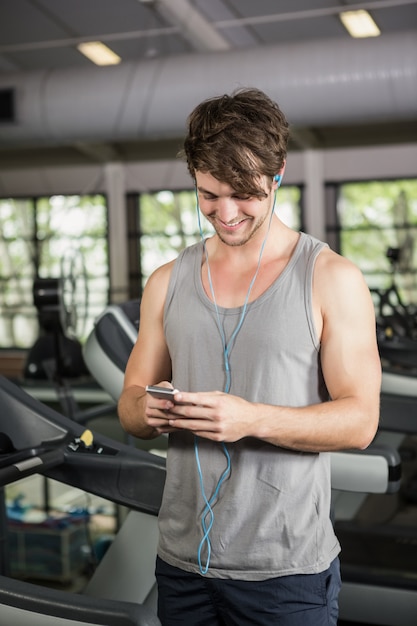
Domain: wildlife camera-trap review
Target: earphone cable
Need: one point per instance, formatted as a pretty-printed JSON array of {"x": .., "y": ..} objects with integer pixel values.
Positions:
[{"x": 227, "y": 347}]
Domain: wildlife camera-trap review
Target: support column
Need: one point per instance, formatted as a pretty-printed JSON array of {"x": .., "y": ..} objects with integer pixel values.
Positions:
[
  {"x": 116, "y": 199},
  {"x": 314, "y": 205}
]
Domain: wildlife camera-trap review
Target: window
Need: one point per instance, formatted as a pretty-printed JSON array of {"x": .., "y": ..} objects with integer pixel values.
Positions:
[
  {"x": 377, "y": 224},
  {"x": 161, "y": 224},
  {"x": 58, "y": 237}
]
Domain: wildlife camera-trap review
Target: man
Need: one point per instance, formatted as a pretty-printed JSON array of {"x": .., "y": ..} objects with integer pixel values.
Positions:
[{"x": 269, "y": 336}]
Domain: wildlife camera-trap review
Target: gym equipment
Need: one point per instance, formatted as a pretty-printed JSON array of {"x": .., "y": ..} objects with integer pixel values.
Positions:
[
  {"x": 110, "y": 343},
  {"x": 380, "y": 563},
  {"x": 36, "y": 439},
  {"x": 62, "y": 305},
  {"x": 396, "y": 319}
]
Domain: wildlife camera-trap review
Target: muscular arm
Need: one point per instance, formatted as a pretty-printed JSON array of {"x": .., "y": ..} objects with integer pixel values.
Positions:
[
  {"x": 350, "y": 363},
  {"x": 149, "y": 362},
  {"x": 345, "y": 320}
]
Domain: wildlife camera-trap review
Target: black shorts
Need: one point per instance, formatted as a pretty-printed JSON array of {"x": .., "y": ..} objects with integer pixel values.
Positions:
[{"x": 186, "y": 599}]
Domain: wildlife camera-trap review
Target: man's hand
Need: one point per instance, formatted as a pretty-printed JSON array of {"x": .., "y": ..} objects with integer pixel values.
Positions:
[
  {"x": 157, "y": 411},
  {"x": 213, "y": 415}
]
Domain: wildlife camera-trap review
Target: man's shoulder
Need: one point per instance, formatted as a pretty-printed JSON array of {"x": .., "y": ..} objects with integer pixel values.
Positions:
[{"x": 337, "y": 275}]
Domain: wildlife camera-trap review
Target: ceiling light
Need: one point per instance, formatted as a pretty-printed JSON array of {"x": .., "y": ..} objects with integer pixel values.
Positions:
[
  {"x": 359, "y": 24},
  {"x": 98, "y": 53}
]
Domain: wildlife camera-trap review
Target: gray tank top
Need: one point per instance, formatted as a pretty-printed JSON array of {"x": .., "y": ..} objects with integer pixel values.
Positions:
[{"x": 272, "y": 514}]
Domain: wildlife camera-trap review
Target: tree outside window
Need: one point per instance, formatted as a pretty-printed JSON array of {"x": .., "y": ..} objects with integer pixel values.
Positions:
[
  {"x": 57, "y": 236},
  {"x": 378, "y": 228}
]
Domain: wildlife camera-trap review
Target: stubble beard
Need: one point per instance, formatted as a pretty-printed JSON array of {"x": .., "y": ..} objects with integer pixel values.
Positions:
[{"x": 241, "y": 242}]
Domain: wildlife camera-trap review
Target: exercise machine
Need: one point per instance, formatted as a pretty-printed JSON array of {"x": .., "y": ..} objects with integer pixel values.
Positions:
[
  {"x": 110, "y": 343},
  {"x": 379, "y": 540},
  {"x": 36, "y": 439},
  {"x": 377, "y": 534}
]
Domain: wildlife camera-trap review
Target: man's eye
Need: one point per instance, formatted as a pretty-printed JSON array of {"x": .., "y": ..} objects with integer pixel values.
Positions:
[{"x": 242, "y": 196}]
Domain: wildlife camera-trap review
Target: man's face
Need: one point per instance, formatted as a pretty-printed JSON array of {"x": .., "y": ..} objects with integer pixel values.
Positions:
[{"x": 235, "y": 217}]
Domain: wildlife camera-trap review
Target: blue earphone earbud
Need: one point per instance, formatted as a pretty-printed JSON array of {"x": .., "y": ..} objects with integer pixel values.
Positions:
[{"x": 278, "y": 179}]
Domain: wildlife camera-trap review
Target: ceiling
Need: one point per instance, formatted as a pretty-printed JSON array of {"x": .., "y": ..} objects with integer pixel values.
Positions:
[{"x": 41, "y": 35}]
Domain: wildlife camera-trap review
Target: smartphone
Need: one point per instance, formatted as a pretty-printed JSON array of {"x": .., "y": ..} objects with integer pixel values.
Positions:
[{"x": 163, "y": 393}]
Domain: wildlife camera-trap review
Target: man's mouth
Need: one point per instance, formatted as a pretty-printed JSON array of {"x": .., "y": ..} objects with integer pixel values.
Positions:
[{"x": 233, "y": 224}]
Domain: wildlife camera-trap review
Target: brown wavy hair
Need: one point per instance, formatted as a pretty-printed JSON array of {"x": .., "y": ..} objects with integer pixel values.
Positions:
[{"x": 237, "y": 138}]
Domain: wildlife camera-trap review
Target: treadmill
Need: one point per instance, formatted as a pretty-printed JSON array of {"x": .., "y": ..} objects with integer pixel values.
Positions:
[
  {"x": 379, "y": 558},
  {"x": 36, "y": 439}
]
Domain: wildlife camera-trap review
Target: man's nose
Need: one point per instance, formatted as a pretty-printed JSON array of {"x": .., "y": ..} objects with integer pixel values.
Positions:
[{"x": 227, "y": 209}]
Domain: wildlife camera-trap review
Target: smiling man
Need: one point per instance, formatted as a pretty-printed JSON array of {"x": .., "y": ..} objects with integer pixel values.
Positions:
[
  {"x": 270, "y": 337},
  {"x": 226, "y": 203}
]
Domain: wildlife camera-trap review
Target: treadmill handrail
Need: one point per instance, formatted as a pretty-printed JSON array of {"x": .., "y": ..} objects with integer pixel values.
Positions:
[
  {"x": 376, "y": 469},
  {"x": 72, "y": 606},
  {"x": 118, "y": 472}
]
